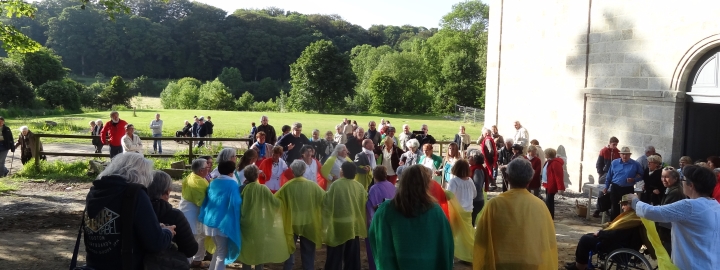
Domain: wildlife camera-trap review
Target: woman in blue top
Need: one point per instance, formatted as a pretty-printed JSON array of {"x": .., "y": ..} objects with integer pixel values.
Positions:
[
  {"x": 220, "y": 216},
  {"x": 695, "y": 233},
  {"x": 248, "y": 158}
]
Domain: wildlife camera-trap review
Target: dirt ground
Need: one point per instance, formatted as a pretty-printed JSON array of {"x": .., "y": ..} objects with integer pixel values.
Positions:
[{"x": 39, "y": 224}]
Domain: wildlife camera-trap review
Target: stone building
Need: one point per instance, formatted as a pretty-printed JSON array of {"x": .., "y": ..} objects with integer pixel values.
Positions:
[{"x": 576, "y": 72}]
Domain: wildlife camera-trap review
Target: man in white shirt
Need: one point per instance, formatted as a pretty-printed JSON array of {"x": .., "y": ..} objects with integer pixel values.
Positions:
[
  {"x": 405, "y": 136},
  {"x": 131, "y": 142},
  {"x": 522, "y": 137},
  {"x": 156, "y": 127}
]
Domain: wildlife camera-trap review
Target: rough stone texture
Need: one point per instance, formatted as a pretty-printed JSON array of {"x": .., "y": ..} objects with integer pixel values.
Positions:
[{"x": 537, "y": 73}]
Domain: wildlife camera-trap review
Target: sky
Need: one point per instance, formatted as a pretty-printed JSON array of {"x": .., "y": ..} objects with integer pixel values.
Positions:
[{"x": 365, "y": 13}]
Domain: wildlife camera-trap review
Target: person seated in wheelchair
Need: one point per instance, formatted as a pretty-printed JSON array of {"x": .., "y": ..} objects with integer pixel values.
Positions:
[
  {"x": 185, "y": 132},
  {"x": 622, "y": 232}
]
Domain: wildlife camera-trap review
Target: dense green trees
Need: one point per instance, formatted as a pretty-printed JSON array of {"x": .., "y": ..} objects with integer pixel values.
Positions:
[
  {"x": 40, "y": 66},
  {"x": 16, "y": 91}
]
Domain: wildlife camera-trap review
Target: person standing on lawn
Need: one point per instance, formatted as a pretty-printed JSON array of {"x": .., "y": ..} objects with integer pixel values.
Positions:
[
  {"x": 209, "y": 126},
  {"x": 156, "y": 127},
  {"x": 25, "y": 142},
  {"x": 115, "y": 130},
  {"x": 270, "y": 136},
  {"x": 6, "y": 145}
]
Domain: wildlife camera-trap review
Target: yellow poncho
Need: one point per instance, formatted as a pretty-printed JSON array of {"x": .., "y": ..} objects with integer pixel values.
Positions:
[
  {"x": 265, "y": 237},
  {"x": 328, "y": 166},
  {"x": 515, "y": 231},
  {"x": 364, "y": 179},
  {"x": 462, "y": 229},
  {"x": 194, "y": 189},
  {"x": 344, "y": 212},
  {"x": 302, "y": 207}
]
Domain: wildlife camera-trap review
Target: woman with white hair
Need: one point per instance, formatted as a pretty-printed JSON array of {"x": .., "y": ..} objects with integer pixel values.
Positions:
[
  {"x": 227, "y": 154},
  {"x": 25, "y": 142},
  {"x": 331, "y": 168},
  {"x": 410, "y": 157},
  {"x": 116, "y": 203},
  {"x": 95, "y": 132}
]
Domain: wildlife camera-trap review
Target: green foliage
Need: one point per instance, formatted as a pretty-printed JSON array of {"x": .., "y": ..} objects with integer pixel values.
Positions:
[
  {"x": 231, "y": 77},
  {"x": 57, "y": 170},
  {"x": 188, "y": 96},
  {"x": 321, "y": 78},
  {"x": 169, "y": 98},
  {"x": 265, "y": 106},
  {"x": 10, "y": 37},
  {"x": 145, "y": 86},
  {"x": 461, "y": 74},
  {"x": 60, "y": 93},
  {"x": 400, "y": 79},
  {"x": 16, "y": 92},
  {"x": 40, "y": 66},
  {"x": 472, "y": 16},
  {"x": 190, "y": 81},
  {"x": 116, "y": 93},
  {"x": 245, "y": 102},
  {"x": 214, "y": 96}
]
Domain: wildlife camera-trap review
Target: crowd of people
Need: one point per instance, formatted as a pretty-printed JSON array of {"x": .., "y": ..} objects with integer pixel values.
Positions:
[{"x": 355, "y": 184}]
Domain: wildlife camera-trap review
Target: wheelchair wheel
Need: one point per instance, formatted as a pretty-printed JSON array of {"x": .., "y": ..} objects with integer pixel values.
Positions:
[{"x": 626, "y": 258}]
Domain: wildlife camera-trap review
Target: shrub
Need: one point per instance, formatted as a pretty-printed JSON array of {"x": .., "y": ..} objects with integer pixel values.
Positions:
[
  {"x": 16, "y": 92},
  {"x": 231, "y": 78},
  {"x": 214, "y": 96},
  {"x": 245, "y": 102},
  {"x": 60, "y": 93},
  {"x": 58, "y": 170},
  {"x": 170, "y": 95},
  {"x": 265, "y": 106},
  {"x": 145, "y": 86},
  {"x": 116, "y": 93},
  {"x": 40, "y": 66}
]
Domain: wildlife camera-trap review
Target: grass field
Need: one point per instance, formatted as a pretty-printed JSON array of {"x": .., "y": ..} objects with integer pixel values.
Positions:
[{"x": 236, "y": 124}]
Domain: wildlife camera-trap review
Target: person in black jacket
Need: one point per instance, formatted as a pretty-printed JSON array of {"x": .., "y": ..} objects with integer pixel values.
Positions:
[
  {"x": 209, "y": 126},
  {"x": 293, "y": 142},
  {"x": 185, "y": 244},
  {"x": 6, "y": 145},
  {"x": 108, "y": 211},
  {"x": 425, "y": 138},
  {"x": 653, "y": 189},
  {"x": 202, "y": 130}
]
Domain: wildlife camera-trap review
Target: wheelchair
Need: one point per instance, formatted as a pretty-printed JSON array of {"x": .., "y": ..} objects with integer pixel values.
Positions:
[
  {"x": 181, "y": 134},
  {"x": 628, "y": 256}
]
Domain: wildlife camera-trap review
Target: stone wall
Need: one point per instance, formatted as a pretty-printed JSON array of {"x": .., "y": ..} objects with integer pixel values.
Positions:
[{"x": 576, "y": 72}]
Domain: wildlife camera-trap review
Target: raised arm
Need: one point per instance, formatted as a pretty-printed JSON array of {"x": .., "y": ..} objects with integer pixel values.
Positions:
[{"x": 676, "y": 211}]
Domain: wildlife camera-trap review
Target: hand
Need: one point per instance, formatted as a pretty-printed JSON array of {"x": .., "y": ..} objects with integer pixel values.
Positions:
[
  {"x": 438, "y": 173},
  {"x": 401, "y": 163},
  {"x": 605, "y": 191},
  {"x": 171, "y": 228},
  {"x": 595, "y": 234},
  {"x": 656, "y": 191},
  {"x": 291, "y": 146}
]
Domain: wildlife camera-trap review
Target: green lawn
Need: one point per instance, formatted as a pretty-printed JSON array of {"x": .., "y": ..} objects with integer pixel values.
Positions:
[{"x": 237, "y": 124}]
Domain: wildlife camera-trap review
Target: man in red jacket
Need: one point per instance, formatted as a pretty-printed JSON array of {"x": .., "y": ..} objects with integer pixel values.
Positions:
[{"x": 115, "y": 130}]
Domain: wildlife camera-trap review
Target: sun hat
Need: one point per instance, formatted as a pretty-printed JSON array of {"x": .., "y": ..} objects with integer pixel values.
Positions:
[{"x": 625, "y": 150}]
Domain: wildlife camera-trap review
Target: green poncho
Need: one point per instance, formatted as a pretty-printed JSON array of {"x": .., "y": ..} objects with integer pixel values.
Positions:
[
  {"x": 421, "y": 242},
  {"x": 301, "y": 204},
  {"x": 344, "y": 212},
  {"x": 265, "y": 238},
  {"x": 194, "y": 189}
]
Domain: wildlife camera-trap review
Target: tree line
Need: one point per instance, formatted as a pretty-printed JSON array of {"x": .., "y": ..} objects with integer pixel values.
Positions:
[{"x": 262, "y": 54}]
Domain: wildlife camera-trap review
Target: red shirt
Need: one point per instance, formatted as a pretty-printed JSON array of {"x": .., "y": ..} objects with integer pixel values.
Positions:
[
  {"x": 716, "y": 192},
  {"x": 116, "y": 132}
]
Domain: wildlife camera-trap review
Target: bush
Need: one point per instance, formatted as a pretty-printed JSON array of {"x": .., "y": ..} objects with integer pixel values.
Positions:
[
  {"x": 265, "y": 106},
  {"x": 60, "y": 94},
  {"x": 245, "y": 102},
  {"x": 169, "y": 96},
  {"x": 58, "y": 170},
  {"x": 40, "y": 66},
  {"x": 116, "y": 93},
  {"x": 214, "y": 96},
  {"x": 145, "y": 86},
  {"x": 190, "y": 80},
  {"x": 16, "y": 92},
  {"x": 231, "y": 78}
]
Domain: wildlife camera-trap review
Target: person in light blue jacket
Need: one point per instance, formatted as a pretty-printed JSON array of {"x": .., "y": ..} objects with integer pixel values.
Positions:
[{"x": 695, "y": 233}]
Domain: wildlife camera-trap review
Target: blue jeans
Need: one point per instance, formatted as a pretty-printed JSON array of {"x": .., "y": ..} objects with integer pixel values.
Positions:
[
  {"x": 307, "y": 255},
  {"x": 157, "y": 144},
  {"x": 3, "y": 155}
]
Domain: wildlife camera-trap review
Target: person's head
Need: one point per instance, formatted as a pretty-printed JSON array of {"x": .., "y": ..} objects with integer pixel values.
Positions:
[
  {"x": 264, "y": 120},
  {"x": 251, "y": 173},
  {"x": 252, "y": 124},
  {"x": 285, "y": 129},
  {"x": 387, "y": 122},
  {"x": 532, "y": 151},
  {"x": 462, "y": 130},
  {"x": 625, "y": 154},
  {"x": 428, "y": 149},
  {"x": 159, "y": 188},
  {"x": 382, "y": 121},
  {"x": 649, "y": 150},
  {"x": 157, "y": 116},
  {"x": 345, "y": 120},
  {"x": 698, "y": 182},
  {"x": 307, "y": 152},
  {"x": 368, "y": 144},
  {"x": 517, "y": 149},
  {"x": 249, "y": 157},
  {"x": 226, "y": 168},
  {"x": 348, "y": 170},
  {"x": 519, "y": 172},
  {"x": 354, "y": 122},
  {"x": 115, "y": 116},
  {"x": 328, "y": 136},
  {"x": 476, "y": 159},
  {"x": 388, "y": 142},
  {"x": 277, "y": 152},
  {"x": 379, "y": 174},
  {"x": 613, "y": 142},
  {"x": 424, "y": 129},
  {"x": 359, "y": 133},
  {"x": 461, "y": 169},
  {"x": 654, "y": 162},
  {"x": 339, "y": 129},
  {"x": 210, "y": 118},
  {"x": 298, "y": 167},
  {"x": 406, "y": 128},
  {"x": 413, "y": 197},
  {"x": 390, "y": 132},
  {"x": 550, "y": 153},
  {"x": 494, "y": 129},
  {"x": 260, "y": 137},
  {"x": 92, "y": 123},
  {"x": 372, "y": 125},
  {"x": 2, "y": 121},
  {"x": 517, "y": 125},
  {"x": 685, "y": 160},
  {"x": 412, "y": 144},
  {"x": 130, "y": 129},
  {"x": 209, "y": 161},
  {"x": 452, "y": 150},
  {"x": 24, "y": 130},
  {"x": 133, "y": 167},
  {"x": 508, "y": 143},
  {"x": 98, "y": 122},
  {"x": 625, "y": 203},
  {"x": 201, "y": 120},
  {"x": 187, "y": 122},
  {"x": 227, "y": 154},
  {"x": 199, "y": 166},
  {"x": 669, "y": 176},
  {"x": 485, "y": 132},
  {"x": 316, "y": 134},
  {"x": 340, "y": 151},
  {"x": 713, "y": 162}
]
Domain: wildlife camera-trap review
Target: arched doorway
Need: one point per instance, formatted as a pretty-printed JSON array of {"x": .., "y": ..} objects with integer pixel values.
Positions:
[{"x": 702, "y": 133}]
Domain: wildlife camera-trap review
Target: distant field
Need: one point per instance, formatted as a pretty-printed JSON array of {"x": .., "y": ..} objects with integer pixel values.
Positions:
[
  {"x": 146, "y": 103},
  {"x": 237, "y": 124}
]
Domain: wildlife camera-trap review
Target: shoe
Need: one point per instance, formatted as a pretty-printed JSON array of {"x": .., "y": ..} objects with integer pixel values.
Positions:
[{"x": 596, "y": 214}]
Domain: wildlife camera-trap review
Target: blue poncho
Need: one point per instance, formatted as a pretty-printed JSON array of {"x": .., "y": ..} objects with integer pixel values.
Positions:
[{"x": 221, "y": 210}]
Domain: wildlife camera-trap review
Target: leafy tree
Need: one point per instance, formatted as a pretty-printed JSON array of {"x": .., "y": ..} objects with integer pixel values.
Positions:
[
  {"x": 40, "y": 66},
  {"x": 116, "y": 93},
  {"x": 245, "y": 102},
  {"x": 471, "y": 15},
  {"x": 190, "y": 81},
  {"x": 214, "y": 96},
  {"x": 61, "y": 93},
  {"x": 188, "y": 96},
  {"x": 16, "y": 92},
  {"x": 231, "y": 77},
  {"x": 408, "y": 71},
  {"x": 461, "y": 75},
  {"x": 384, "y": 94},
  {"x": 321, "y": 78},
  {"x": 169, "y": 98}
]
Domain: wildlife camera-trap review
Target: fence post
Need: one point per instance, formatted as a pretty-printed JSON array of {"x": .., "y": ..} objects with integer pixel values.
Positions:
[
  {"x": 36, "y": 151},
  {"x": 190, "y": 151}
]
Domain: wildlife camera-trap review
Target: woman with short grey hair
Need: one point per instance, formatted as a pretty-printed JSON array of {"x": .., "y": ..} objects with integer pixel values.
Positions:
[
  {"x": 410, "y": 157},
  {"x": 298, "y": 168},
  {"x": 227, "y": 154},
  {"x": 26, "y": 146},
  {"x": 124, "y": 178}
]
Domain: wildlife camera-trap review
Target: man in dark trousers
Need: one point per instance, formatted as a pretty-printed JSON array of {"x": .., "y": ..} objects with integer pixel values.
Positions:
[
  {"x": 114, "y": 130},
  {"x": 202, "y": 130},
  {"x": 270, "y": 136},
  {"x": 607, "y": 155},
  {"x": 209, "y": 127},
  {"x": 621, "y": 178}
]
